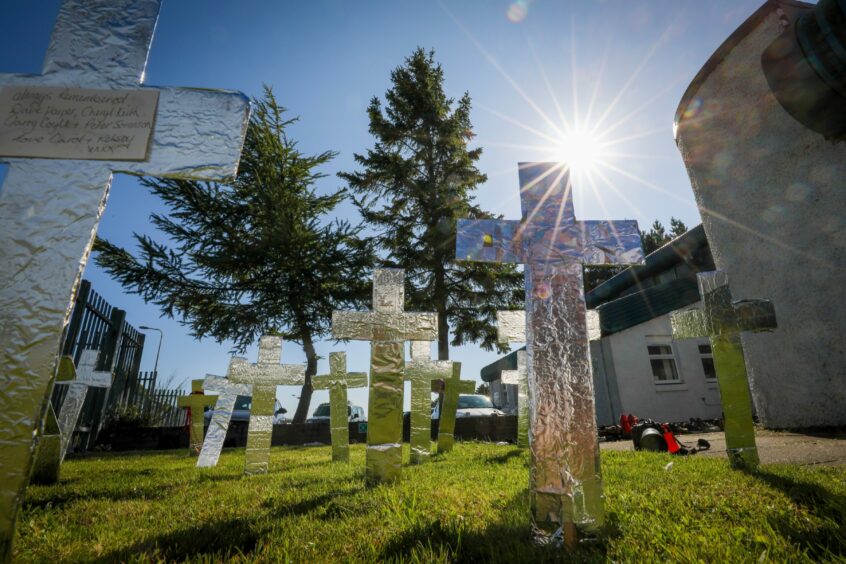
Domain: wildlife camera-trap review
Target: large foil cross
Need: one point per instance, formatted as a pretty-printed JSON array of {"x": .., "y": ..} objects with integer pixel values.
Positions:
[
  {"x": 337, "y": 382},
  {"x": 553, "y": 246},
  {"x": 196, "y": 402},
  {"x": 423, "y": 373},
  {"x": 387, "y": 327},
  {"x": 227, "y": 395},
  {"x": 264, "y": 376},
  {"x": 722, "y": 320},
  {"x": 49, "y": 208},
  {"x": 511, "y": 328}
]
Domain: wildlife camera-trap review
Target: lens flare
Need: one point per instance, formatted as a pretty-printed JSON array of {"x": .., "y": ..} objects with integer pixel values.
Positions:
[{"x": 518, "y": 10}]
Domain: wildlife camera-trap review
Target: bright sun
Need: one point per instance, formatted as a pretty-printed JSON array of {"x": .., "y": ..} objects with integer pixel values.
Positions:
[{"x": 580, "y": 150}]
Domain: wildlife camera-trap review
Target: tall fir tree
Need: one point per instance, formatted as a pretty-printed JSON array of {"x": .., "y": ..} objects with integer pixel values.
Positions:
[
  {"x": 256, "y": 256},
  {"x": 415, "y": 182}
]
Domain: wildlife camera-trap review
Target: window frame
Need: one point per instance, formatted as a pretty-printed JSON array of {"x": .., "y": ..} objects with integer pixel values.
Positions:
[
  {"x": 664, "y": 341},
  {"x": 709, "y": 355}
]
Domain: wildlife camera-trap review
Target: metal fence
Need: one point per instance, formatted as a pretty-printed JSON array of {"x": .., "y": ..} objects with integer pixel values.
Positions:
[{"x": 95, "y": 324}]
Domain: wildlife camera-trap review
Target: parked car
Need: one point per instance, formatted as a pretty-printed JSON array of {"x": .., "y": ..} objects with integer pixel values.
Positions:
[
  {"x": 471, "y": 405},
  {"x": 354, "y": 413},
  {"x": 241, "y": 411}
]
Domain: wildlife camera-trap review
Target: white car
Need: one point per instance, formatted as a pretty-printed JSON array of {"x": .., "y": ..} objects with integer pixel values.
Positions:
[{"x": 472, "y": 406}]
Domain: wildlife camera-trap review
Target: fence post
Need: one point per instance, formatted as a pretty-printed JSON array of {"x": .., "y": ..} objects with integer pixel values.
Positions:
[{"x": 72, "y": 328}]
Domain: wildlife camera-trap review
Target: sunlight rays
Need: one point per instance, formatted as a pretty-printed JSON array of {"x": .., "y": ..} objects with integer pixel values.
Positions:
[{"x": 590, "y": 148}]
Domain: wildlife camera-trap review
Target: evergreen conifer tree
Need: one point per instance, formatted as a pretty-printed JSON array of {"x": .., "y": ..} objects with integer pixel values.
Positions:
[
  {"x": 252, "y": 257},
  {"x": 414, "y": 183}
]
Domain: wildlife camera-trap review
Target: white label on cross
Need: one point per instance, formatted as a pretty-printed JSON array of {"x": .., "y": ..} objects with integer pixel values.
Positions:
[{"x": 76, "y": 123}]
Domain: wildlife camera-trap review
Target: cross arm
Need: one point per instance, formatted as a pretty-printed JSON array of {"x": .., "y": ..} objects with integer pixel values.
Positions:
[
  {"x": 690, "y": 324},
  {"x": 755, "y": 315},
  {"x": 242, "y": 372},
  {"x": 198, "y": 133},
  {"x": 384, "y": 326},
  {"x": 511, "y": 326},
  {"x": 488, "y": 240},
  {"x": 350, "y": 379},
  {"x": 213, "y": 383},
  {"x": 610, "y": 242}
]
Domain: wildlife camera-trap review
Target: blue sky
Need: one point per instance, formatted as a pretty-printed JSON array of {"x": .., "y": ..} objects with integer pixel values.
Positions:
[{"x": 617, "y": 67}]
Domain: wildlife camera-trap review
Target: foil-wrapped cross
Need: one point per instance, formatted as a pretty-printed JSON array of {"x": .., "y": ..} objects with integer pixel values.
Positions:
[
  {"x": 227, "y": 395},
  {"x": 86, "y": 376},
  {"x": 553, "y": 246},
  {"x": 337, "y": 382},
  {"x": 263, "y": 376},
  {"x": 423, "y": 372},
  {"x": 50, "y": 207},
  {"x": 195, "y": 403},
  {"x": 453, "y": 387},
  {"x": 387, "y": 327},
  {"x": 722, "y": 320}
]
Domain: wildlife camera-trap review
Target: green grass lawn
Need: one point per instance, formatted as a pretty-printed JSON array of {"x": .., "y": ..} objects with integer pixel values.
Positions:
[{"x": 470, "y": 505}]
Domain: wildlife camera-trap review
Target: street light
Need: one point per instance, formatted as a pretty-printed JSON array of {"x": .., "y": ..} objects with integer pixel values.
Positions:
[{"x": 158, "y": 350}]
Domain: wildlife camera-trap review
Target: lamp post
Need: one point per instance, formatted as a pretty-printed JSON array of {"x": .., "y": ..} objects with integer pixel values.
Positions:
[{"x": 158, "y": 350}]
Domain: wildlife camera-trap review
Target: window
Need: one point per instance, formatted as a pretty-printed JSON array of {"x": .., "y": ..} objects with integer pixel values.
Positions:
[
  {"x": 707, "y": 358},
  {"x": 663, "y": 363}
]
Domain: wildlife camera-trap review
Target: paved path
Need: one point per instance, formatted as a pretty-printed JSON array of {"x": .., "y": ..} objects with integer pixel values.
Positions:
[{"x": 773, "y": 447}]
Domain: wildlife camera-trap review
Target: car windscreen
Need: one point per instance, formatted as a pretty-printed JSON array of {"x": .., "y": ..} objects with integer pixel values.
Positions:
[
  {"x": 322, "y": 410},
  {"x": 243, "y": 402},
  {"x": 469, "y": 402}
]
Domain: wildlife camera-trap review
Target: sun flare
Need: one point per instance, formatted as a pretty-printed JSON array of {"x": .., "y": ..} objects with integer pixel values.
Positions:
[{"x": 580, "y": 150}]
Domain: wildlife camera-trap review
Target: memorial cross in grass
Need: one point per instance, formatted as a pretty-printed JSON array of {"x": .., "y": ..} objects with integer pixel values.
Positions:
[
  {"x": 337, "y": 382},
  {"x": 50, "y": 207},
  {"x": 48, "y": 453},
  {"x": 553, "y": 246},
  {"x": 227, "y": 395},
  {"x": 196, "y": 402},
  {"x": 722, "y": 321},
  {"x": 264, "y": 376},
  {"x": 511, "y": 328},
  {"x": 453, "y": 387},
  {"x": 387, "y": 327},
  {"x": 86, "y": 376},
  {"x": 423, "y": 373}
]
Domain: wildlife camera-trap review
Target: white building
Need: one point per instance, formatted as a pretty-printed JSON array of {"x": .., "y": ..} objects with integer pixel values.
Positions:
[{"x": 637, "y": 366}]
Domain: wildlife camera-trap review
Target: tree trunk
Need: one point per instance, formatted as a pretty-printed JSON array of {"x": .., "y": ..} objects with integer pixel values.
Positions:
[
  {"x": 311, "y": 369},
  {"x": 441, "y": 307}
]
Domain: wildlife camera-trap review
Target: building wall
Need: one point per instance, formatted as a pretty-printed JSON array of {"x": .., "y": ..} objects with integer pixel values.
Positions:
[
  {"x": 692, "y": 397},
  {"x": 772, "y": 195}
]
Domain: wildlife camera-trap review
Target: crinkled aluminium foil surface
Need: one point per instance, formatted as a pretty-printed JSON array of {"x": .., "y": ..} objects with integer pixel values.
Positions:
[
  {"x": 264, "y": 376},
  {"x": 227, "y": 395},
  {"x": 86, "y": 376},
  {"x": 565, "y": 477},
  {"x": 196, "y": 402},
  {"x": 337, "y": 382},
  {"x": 453, "y": 387},
  {"x": 387, "y": 327},
  {"x": 421, "y": 371},
  {"x": 49, "y": 209},
  {"x": 722, "y": 320}
]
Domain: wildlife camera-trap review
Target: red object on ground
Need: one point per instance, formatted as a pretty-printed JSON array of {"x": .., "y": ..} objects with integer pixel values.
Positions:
[
  {"x": 673, "y": 445},
  {"x": 627, "y": 422}
]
